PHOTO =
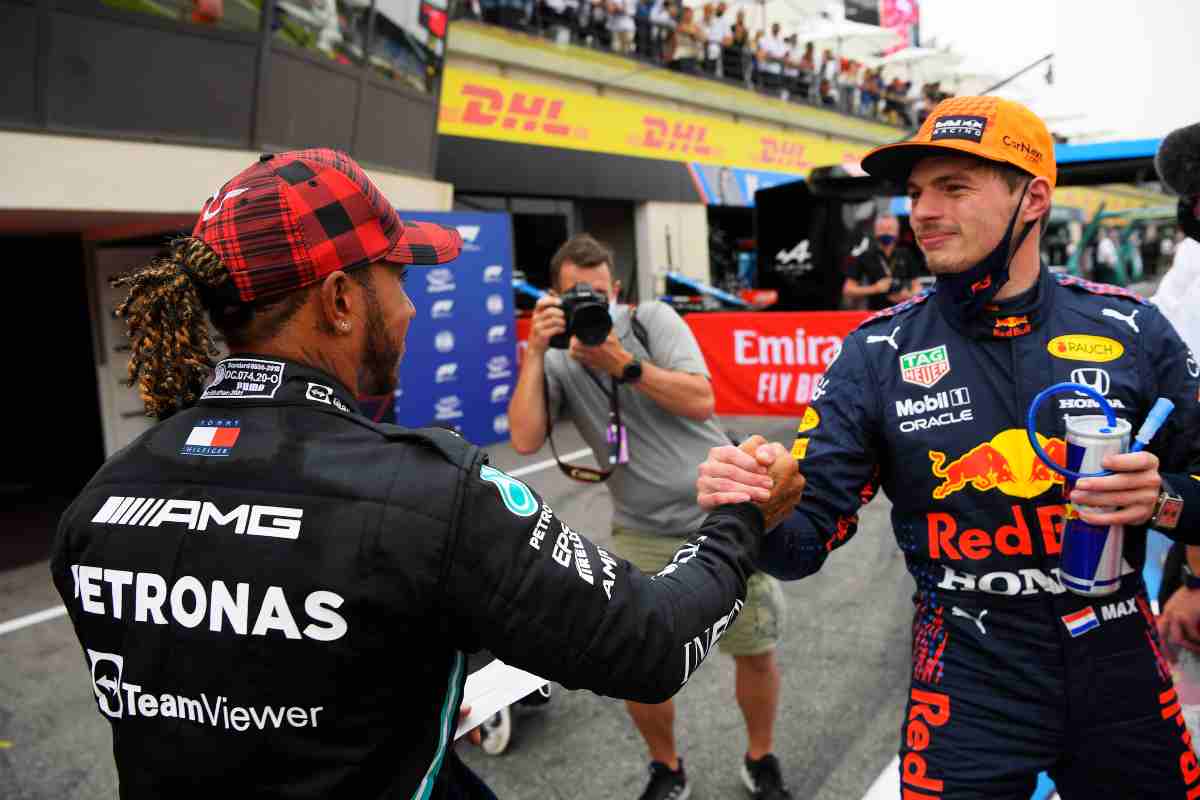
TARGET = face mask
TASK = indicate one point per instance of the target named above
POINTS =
(976, 287)
(886, 239)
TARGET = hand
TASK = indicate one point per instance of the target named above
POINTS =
(1130, 492)
(882, 285)
(784, 472)
(1179, 622)
(548, 320)
(608, 356)
(473, 735)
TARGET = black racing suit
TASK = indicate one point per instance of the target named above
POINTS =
(931, 407)
(275, 595)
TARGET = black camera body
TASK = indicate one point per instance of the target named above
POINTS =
(587, 316)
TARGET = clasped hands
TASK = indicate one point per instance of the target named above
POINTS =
(757, 471)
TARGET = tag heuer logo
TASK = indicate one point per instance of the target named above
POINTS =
(925, 367)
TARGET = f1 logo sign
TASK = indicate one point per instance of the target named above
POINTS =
(106, 682)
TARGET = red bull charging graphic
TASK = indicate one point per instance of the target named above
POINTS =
(1006, 462)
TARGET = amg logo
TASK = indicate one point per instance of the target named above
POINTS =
(933, 402)
(962, 127)
(279, 522)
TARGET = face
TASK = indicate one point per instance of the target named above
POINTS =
(887, 226)
(775, 29)
(598, 277)
(959, 211)
(388, 311)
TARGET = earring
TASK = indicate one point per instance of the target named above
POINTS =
(345, 325)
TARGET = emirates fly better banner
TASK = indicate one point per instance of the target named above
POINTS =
(769, 363)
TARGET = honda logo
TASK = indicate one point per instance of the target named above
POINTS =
(1094, 378)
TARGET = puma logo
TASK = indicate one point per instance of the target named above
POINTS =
(210, 212)
(1126, 318)
(958, 612)
(890, 338)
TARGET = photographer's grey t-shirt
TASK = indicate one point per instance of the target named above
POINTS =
(656, 491)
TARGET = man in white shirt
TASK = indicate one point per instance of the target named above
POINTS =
(718, 29)
(621, 25)
(772, 51)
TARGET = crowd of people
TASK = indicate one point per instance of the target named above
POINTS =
(719, 44)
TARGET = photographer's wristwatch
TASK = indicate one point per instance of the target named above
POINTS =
(1167, 509)
(632, 372)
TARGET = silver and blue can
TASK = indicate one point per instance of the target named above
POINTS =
(1092, 555)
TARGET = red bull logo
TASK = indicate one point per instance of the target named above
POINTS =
(1007, 463)
(1007, 327)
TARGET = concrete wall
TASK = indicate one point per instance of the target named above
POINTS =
(685, 226)
(45, 172)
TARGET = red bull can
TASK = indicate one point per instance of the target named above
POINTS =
(1092, 555)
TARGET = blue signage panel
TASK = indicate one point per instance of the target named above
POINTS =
(460, 364)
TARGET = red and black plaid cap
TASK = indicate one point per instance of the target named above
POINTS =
(292, 218)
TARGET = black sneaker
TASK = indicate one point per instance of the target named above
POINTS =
(666, 784)
(763, 778)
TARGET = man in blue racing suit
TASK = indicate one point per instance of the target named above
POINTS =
(1011, 673)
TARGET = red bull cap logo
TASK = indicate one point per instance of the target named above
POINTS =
(1007, 463)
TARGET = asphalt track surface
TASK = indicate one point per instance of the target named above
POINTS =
(844, 657)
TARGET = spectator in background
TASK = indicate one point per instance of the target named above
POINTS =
(594, 23)
(869, 93)
(561, 18)
(772, 52)
(718, 30)
(848, 84)
(756, 60)
(1106, 256)
(791, 69)
(829, 71)
(663, 19)
(886, 273)
(688, 44)
(735, 50)
(806, 80)
(620, 24)
(895, 105)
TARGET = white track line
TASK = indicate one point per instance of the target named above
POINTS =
(32, 619)
(549, 462)
(887, 785)
(59, 611)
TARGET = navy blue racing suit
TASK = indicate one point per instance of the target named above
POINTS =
(1011, 673)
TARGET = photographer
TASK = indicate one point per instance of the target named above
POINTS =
(886, 273)
(642, 400)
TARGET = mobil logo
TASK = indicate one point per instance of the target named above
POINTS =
(1006, 462)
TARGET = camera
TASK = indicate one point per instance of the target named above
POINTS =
(586, 311)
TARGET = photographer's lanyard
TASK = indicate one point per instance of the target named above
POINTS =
(618, 443)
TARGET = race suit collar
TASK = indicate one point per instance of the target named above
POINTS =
(251, 378)
(1016, 316)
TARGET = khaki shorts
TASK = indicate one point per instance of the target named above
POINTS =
(755, 631)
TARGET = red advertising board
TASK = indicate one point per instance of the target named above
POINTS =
(767, 363)
(762, 363)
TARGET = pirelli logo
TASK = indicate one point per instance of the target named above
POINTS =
(280, 522)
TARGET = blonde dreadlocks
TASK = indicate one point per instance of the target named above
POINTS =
(172, 349)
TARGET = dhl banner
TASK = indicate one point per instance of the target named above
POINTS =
(483, 106)
(769, 363)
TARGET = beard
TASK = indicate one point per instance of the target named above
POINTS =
(379, 372)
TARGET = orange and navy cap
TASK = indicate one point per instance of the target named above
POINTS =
(991, 128)
(290, 219)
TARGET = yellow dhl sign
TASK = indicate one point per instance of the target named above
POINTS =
(483, 106)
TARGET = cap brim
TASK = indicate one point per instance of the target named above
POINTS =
(894, 162)
(424, 243)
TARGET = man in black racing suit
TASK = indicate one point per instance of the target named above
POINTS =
(274, 594)
(1011, 673)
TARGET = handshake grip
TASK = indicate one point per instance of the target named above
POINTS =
(759, 471)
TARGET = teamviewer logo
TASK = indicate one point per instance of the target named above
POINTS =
(106, 682)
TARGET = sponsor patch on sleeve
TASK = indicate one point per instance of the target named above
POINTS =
(516, 496)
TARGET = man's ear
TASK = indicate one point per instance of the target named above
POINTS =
(336, 305)
(1038, 198)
